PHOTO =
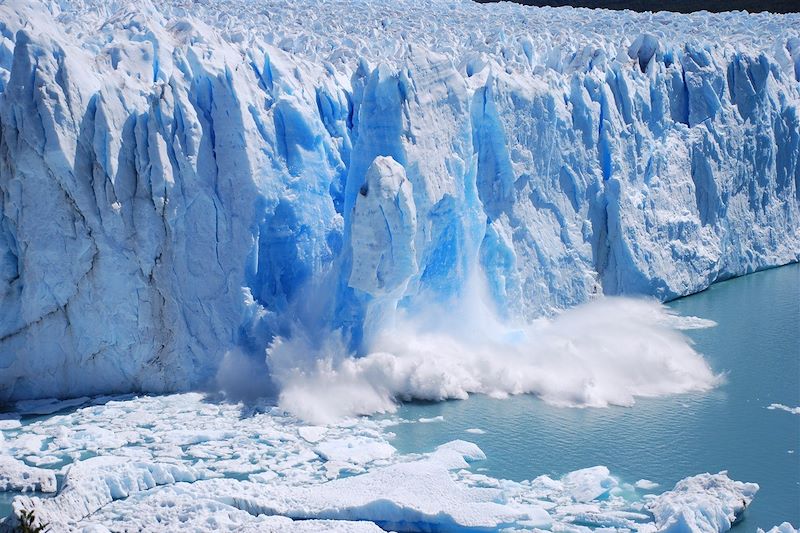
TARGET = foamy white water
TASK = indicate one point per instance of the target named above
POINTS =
(607, 352)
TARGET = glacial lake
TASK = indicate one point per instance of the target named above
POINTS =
(756, 344)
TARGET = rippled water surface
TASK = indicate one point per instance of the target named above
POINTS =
(756, 344)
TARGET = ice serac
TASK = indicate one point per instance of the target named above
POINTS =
(382, 234)
(178, 183)
(383, 230)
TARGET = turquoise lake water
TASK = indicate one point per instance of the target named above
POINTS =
(756, 344)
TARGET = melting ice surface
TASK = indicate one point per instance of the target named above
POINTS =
(191, 461)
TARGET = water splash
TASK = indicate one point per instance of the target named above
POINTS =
(606, 352)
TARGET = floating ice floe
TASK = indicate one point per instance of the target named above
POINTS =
(785, 527)
(188, 462)
(706, 502)
(646, 484)
(91, 484)
(19, 477)
(47, 406)
(781, 407)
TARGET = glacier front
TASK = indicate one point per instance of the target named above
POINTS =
(184, 180)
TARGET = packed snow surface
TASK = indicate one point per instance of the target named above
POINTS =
(255, 192)
(190, 462)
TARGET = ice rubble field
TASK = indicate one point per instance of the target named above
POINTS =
(187, 462)
(181, 180)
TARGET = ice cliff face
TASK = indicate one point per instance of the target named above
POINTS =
(179, 178)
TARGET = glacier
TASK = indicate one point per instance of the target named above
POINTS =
(185, 185)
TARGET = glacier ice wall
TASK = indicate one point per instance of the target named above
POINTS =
(181, 179)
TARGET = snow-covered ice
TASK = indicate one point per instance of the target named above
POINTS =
(706, 502)
(354, 450)
(93, 483)
(17, 476)
(181, 181)
(589, 484)
(192, 462)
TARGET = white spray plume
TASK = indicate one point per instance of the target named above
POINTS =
(235, 376)
(607, 352)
